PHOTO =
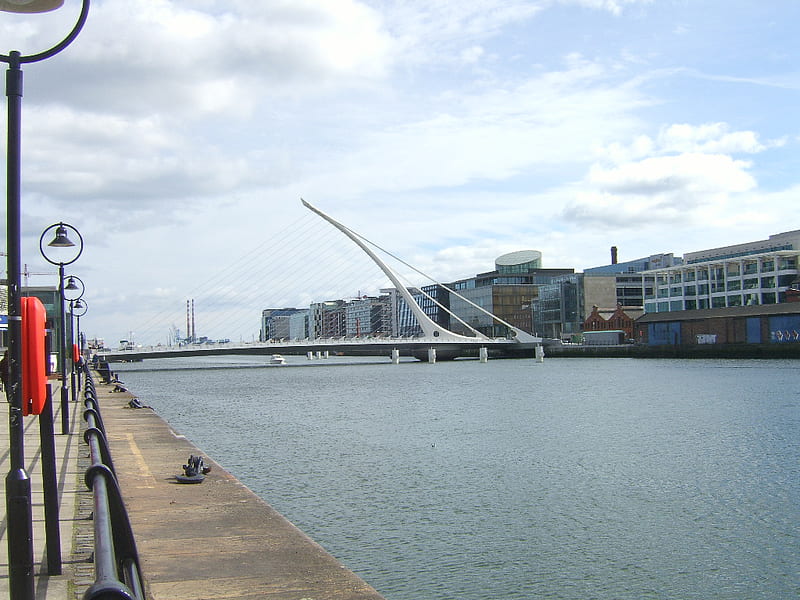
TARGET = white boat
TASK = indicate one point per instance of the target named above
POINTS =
(277, 359)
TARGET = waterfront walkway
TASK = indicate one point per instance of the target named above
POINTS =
(76, 570)
(211, 540)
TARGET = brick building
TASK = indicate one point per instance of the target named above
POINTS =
(619, 318)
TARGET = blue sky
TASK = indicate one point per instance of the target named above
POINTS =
(178, 137)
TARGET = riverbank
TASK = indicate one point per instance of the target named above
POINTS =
(215, 539)
(209, 540)
(699, 351)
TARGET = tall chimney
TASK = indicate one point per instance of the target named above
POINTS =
(613, 255)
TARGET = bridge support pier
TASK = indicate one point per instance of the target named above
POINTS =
(483, 354)
(395, 356)
(432, 355)
(310, 355)
(539, 352)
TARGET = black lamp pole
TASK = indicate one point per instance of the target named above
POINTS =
(77, 309)
(74, 302)
(18, 486)
(60, 243)
(84, 308)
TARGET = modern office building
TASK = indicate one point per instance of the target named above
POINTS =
(368, 316)
(434, 300)
(327, 319)
(507, 292)
(654, 261)
(565, 303)
(403, 323)
(749, 274)
(622, 283)
(558, 309)
(275, 323)
(298, 325)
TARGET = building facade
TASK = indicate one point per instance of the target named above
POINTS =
(298, 325)
(750, 274)
(368, 317)
(756, 324)
(327, 319)
(557, 311)
(616, 319)
(275, 323)
(560, 309)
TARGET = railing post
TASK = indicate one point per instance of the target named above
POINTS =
(117, 574)
(50, 487)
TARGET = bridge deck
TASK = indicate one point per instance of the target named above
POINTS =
(416, 347)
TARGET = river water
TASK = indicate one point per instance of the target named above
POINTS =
(568, 479)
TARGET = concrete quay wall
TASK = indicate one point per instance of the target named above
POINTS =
(215, 539)
(733, 351)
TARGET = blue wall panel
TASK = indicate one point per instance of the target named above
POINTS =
(754, 330)
(660, 334)
(784, 329)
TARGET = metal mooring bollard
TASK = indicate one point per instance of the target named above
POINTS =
(194, 471)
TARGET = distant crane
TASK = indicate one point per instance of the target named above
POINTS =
(26, 273)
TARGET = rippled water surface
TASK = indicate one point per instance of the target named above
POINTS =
(570, 479)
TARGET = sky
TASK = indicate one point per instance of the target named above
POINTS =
(178, 138)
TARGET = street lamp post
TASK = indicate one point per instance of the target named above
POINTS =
(17, 484)
(83, 307)
(74, 303)
(78, 309)
(68, 252)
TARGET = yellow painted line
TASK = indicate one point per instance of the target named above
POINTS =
(144, 470)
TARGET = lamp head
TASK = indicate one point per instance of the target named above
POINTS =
(30, 6)
(71, 285)
(61, 240)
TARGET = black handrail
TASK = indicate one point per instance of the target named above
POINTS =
(116, 561)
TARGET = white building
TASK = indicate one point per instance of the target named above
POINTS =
(741, 275)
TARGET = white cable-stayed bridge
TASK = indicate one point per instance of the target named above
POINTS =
(434, 341)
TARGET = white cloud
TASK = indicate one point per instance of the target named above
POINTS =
(708, 138)
(687, 175)
(613, 6)
(472, 54)
(684, 174)
(178, 134)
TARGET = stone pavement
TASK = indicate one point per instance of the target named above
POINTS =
(75, 565)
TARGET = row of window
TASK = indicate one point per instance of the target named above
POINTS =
(751, 267)
(732, 285)
(743, 253)
(716, 302)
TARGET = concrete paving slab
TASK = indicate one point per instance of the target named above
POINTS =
(46, 585)
(216, 539)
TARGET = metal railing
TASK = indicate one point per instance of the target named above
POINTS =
(116, 561)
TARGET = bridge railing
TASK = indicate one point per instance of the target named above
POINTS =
(278, 344)
(116, 560)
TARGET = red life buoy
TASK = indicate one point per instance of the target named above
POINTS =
(76, 353)
(34, 374)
